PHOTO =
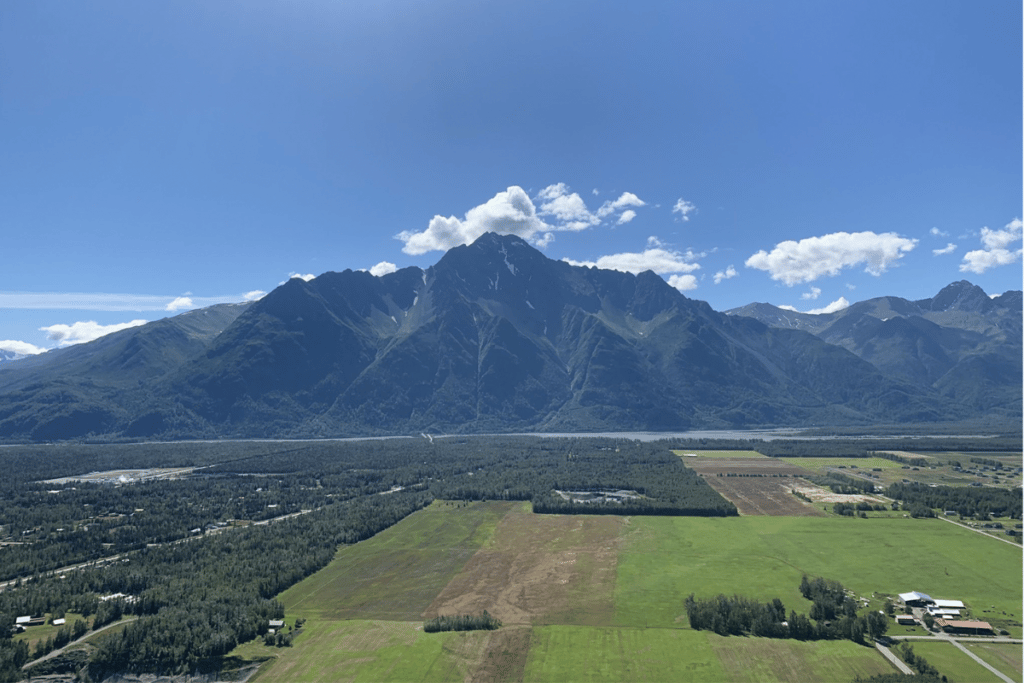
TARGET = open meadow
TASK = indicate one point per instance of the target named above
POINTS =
(590, 598)
(954, 664)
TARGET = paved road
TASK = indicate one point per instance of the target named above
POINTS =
(896, 661)
(87, 636)
(979, 531)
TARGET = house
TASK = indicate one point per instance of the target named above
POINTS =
(59, 622)
(974, 628)
(276, 623)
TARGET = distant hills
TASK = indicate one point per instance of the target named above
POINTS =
(962, 343)
(496, 337)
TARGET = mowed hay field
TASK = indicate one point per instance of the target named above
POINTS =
(595, 598)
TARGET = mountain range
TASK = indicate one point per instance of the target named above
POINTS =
(496, 337)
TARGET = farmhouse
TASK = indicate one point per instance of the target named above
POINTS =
(974, 628)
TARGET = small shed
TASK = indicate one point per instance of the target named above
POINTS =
(906, 619)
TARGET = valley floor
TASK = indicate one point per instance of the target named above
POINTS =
(596, 598)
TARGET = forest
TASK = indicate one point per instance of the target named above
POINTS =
(968, 501)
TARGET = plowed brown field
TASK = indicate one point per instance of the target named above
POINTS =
(760, 488)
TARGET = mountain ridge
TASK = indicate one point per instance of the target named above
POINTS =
(497, 337)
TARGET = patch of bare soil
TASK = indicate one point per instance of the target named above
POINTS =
(820, 495)
(764, 496)
(504, 657)
(539, 566)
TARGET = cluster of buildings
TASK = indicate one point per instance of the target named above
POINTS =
(945, 612)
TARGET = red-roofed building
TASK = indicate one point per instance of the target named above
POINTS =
(974, 628)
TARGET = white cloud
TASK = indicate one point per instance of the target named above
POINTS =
(507, 213)
(513, 212)
(837, 305)
(658, 257)
(811, 258)
(20, 348)
(77, 333)
(726, 274)
(683, 283)
(938, 233)
(948, 249)
(383, 268)
(812, 295)
(307, 277)
(626, 199)
(254, 295)
(627, 216)
(684, 209)
(182, 302)
(995, 252)
(96, 301)
(566, 207)
(661, 261)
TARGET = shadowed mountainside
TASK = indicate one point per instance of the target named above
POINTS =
(497, 337)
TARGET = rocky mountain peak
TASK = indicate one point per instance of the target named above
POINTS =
(960, 296)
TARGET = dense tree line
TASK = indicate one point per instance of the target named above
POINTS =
(853, 447)
(833, 615)
(968, 501)
(841, 483)
(851, 509)
(462, 622)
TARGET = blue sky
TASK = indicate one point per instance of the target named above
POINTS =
(162, 156)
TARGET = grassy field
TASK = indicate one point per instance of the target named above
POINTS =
(821, 464)
(1004, 657)
(373, 651)
(601, 597)
(666, 558)
(397, 573)
(573, 653)
(952, 663)
(753, 660)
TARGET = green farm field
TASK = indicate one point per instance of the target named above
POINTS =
(855, 464)
(954, 664)
(587, 598)
(1004, 657)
